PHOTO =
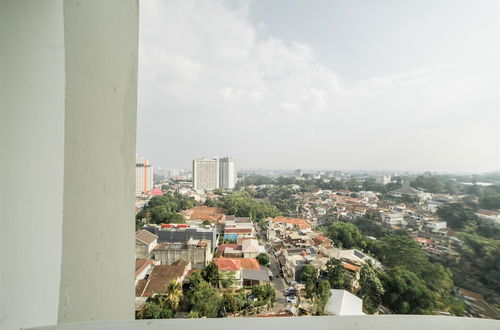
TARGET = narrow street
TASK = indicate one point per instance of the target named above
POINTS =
(277, 281)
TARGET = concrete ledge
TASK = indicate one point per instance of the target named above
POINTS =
(385, 322)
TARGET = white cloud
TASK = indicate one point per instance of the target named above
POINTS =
(210, 84)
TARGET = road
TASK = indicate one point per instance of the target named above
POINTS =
(278, 281)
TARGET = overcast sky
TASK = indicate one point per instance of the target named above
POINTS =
(382, 85)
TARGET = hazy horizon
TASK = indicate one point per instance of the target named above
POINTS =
(294, 84)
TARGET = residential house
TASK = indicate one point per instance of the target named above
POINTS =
(145, 242)
(394, 219)
(425, 242)
(300, 223)
(488, 215)
(143, 267)
(231, 250)
(234, 267)
(160, 276)
(410, 191)
(250, 248)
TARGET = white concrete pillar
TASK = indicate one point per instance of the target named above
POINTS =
(68, 82)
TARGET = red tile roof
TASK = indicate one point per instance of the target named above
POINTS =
(141, 264)
(236, 263)
(351, 267)
(299, 222)
(156, 192)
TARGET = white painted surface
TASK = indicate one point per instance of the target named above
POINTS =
(98, 273)
(68, 85)
(369, 322)
(32, 159)
(343, 303)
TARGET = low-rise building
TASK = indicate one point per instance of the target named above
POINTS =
(160, 276)
(182, 233)
(488, 215)
(237, 269)
(197, 252)
(145, 242)
(394, 219)
(143, 268)
(250, 248)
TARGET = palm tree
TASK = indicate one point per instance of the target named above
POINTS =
(173, 293)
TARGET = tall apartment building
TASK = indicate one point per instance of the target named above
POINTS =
(227, 173)
(213, 173)
(206, 173)
(143, 176)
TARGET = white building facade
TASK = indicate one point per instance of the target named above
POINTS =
(227, 173)
(213, 173)
(206, 174)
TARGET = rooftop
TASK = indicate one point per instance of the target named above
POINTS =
(145, 236)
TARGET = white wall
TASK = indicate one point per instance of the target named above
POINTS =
(98, 273)
(68, 86)
(32, 160)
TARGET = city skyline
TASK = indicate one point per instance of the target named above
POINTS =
(348, 86)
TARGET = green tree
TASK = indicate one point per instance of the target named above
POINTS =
(456, 216)
(173, 293)
(308, 276)
(264, 292)
(335, 273)
(205, 300)
(491, 202)
(227, 279)
(322, 295)
(210, 202)
(230, 302)
(346, 235)
(263, 259)
(210, 273)
(401, 250)
(165, 208)
(155, 310)
(372, 289)
(406, 293)
(242, 204)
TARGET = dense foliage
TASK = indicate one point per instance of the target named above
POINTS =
(166, 208)
(372, 289)
(309, 276)
(335, 274)
(456, 215)
(406, 293)
(345, 235)
(263, 259)
(242, 204)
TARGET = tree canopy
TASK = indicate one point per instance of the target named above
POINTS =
(166, 208)
(346, 235)
(263, 259)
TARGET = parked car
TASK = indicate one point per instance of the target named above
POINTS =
(290, 292)
(291, 299)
